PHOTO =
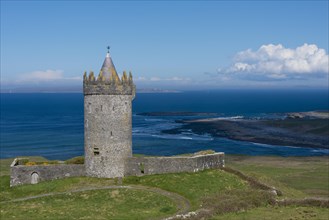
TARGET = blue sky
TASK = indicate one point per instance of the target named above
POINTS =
(166, 44)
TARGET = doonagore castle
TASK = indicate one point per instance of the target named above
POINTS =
(108, 121)
(108, 137)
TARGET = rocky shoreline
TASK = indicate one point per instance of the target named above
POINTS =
(309, 115)
(306, 131)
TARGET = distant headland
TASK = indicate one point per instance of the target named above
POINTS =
(300, 129)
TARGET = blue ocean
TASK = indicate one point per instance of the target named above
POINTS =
(51, 125)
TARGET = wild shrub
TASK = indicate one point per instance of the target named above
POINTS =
(76, 160)
(324, 203)
(236, 200)
(251, 180)
(204, 152)
(23, 161)
(30, 163)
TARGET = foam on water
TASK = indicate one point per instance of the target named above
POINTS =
(233, 118)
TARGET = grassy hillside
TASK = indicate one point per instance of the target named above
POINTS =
(297, 177)
(193, 186)
(228, 196)
(97, 204)
(137, 204)
(274, 213)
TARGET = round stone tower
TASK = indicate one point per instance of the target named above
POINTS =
(107, 121)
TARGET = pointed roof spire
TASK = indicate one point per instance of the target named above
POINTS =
(108, 67)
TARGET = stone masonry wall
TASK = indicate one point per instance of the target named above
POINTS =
(136, 166)
(108, 134)
(20, 174)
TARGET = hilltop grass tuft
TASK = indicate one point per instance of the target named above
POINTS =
(76, 160)
(5, 163)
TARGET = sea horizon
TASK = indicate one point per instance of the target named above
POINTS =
(51, 124)
(161, 90)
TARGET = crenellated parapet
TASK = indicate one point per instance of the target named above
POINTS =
(113, 85)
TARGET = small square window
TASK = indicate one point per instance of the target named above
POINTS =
(96, 151)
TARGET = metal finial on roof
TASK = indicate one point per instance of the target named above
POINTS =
(108, 49)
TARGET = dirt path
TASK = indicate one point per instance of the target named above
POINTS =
(182, 204)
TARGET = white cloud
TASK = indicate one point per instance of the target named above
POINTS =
(277, 62)
(155, 79)
(140, 78)
(45, 76)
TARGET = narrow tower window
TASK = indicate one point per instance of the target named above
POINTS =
(113, 108)
(96, 151)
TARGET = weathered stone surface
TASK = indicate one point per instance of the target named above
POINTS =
(157, 165)
(20, 174)
(120, 165)
(108, 88)
(108, 134)
(108, 121)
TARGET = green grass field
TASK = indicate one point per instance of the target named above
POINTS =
(193, 186)
(96, 204)
(225, 194)
(274, 213)
(297, 177)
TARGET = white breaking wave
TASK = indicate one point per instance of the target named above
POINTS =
(153, 119)
(180, 137)
(230, 118)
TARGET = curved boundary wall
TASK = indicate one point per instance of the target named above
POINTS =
(138, 166)
(134, 166)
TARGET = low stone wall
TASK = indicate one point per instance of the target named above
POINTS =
(136, 166)
(21, 174)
